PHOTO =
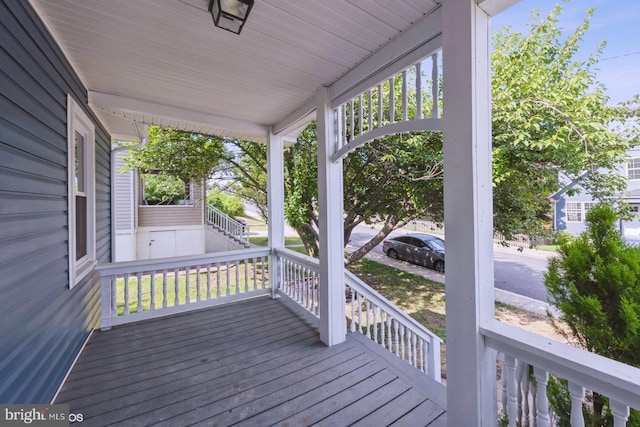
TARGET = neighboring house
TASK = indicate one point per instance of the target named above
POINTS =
(145, 231)
(570, 211)
(76, 74)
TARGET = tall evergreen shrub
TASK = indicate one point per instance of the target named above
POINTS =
(595, 284)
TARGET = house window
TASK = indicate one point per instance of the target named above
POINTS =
(82, 211)
(633, 168)
(159, 189)
(587, 207)
(574, 212)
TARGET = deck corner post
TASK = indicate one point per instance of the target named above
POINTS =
(275, 202)
(333, 327)
(468, 207)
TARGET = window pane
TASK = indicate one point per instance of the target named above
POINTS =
(80, 163)
(81, 227)
(574, 212)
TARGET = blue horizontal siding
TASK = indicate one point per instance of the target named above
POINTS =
(43, 323)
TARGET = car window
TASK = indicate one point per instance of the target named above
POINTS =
(403, 239)
(417, 242)
(436, 244)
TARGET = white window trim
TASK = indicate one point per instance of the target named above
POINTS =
(580, 211)
(628, 169)
(78, 121)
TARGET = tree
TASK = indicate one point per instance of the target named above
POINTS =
(180, 154)
(384, 181)
(550, 116)
(595, 284)
(162, 189)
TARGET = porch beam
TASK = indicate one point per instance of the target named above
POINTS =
(330, 194)
(120, 104)
(275, 204)
(468, 212)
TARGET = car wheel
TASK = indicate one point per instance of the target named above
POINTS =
(439, 266)
(391, 253)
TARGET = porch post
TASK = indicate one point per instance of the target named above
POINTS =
(275, 205)
(331, 286)
(471, 383)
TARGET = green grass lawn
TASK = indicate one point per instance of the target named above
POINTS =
(229, 279)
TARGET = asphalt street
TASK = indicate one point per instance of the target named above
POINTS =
(518, 272)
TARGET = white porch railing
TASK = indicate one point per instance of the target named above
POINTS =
(138, 290)
(367, 312)
(380, 320)
(229, 226)
(582, 369)
(386, 109)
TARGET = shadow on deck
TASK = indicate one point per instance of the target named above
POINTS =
(251, 363)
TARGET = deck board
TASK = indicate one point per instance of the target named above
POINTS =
(250, 363)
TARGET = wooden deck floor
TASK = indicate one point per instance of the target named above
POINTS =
(253, 363)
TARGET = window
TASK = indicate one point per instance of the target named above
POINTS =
(159, 189)
(633, 168)
(82, 217)
(574, 212)
(587, 208)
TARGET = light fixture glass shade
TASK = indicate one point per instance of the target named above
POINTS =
(230, 15)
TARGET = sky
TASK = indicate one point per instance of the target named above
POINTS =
(616, 21)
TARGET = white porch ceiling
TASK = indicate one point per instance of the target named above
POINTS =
(164, 62)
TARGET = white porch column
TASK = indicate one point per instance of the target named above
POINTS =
(330, 191)
(471, 382)
(275, 203)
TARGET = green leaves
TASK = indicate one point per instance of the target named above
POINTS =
(550, 116)
(183, 155)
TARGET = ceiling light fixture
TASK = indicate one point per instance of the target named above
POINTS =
(230, 15)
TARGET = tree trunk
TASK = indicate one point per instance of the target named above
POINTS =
(390, 224)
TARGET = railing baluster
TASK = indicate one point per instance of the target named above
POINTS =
(620, 413)
(542, 402)
(139, 285)
(352, 326)
(389, 334)
(577, 395)
(352, 120)
(369, 111)
(176, 285)
(383, 321)
(413, 351)
(392, 101)
(246, 275)
(375, 323)
(218, 292)
(114, 296)
(380, 104)
(435, 87)
(152, 284)
(126, 294)
(396, 337)
(419, 90)
(187, 274)
(238, 286)
(360, 115)
(164, 288)
(228, 274)
(402, 343)
(405, 113)
(198, 283)
(512, 392)
(209, 281)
